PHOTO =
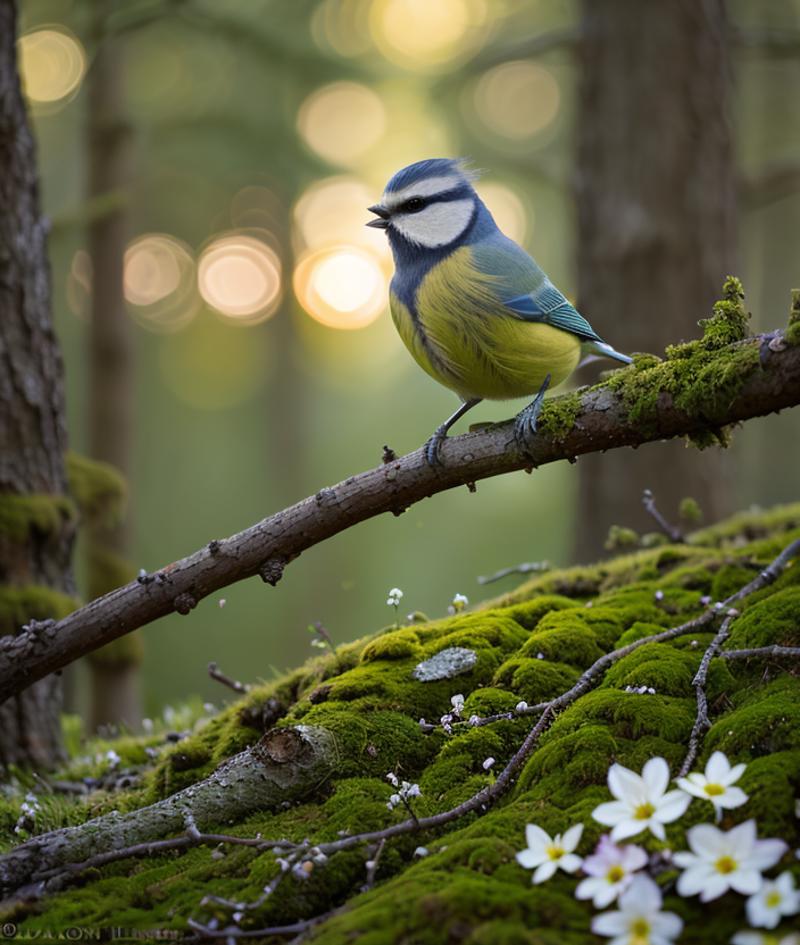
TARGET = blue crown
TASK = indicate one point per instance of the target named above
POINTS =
(432, 167)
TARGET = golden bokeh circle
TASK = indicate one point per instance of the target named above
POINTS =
(240, 277)
(342, 121)
(344, 287)
(52, 64)
(517, 99)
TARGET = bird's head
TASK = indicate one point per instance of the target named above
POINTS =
(428, 205)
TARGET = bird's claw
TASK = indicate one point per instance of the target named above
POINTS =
(433, 447)
(525, 426)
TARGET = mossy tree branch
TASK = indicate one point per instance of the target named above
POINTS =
(698, 390)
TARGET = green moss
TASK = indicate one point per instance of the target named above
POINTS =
(559, 414)
(20, 605)
(469, 889)
(40, 515)
(689, 510)
(620, 538)
(99, 489)
(395, 645)
(728, 324)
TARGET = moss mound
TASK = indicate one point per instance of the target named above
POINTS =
(531, 644)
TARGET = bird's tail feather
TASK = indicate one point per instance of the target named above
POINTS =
(606, 351)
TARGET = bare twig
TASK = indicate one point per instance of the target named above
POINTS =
(763, 652)
(601, 422)
(672, 532)
(527, 567)
(372, 865)
(216, 673)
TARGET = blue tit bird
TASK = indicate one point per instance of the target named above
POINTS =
(473, 308)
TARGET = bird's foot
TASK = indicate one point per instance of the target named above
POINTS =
(525, 425)
(433, 447)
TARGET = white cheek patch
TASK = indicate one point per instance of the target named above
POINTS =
(436, 225)
(431, 187)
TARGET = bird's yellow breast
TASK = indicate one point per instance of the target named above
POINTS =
(465, 338)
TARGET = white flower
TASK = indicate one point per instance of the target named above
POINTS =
(487, 763)
(610, 870)
(716, 784)
(642, 801)
(721, 861)
(394, 598)
(421, 851)
(521, 706)
(758, 938)
(457, 702)
(776, 899)
(639, 920)
(546, 854)
(112, 758)
(458, 604)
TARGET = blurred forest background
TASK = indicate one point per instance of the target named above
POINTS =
(223, 311)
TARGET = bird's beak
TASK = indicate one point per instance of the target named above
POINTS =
(383, 217)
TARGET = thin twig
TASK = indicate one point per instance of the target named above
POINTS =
(763, 652)
(672, 532)
(527, 567)
(372, 866)
(216, 673)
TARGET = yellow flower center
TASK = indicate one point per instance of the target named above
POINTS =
(615, 874)
(644, 811)
(726, 864)
(640, 932)
(555, 852)
(773, 899)
(714, 790)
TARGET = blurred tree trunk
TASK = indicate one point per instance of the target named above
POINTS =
(657, 222)
(114, 670)
(37, 519)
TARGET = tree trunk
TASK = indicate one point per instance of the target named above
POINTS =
(114, 670)
(37, 519)
(656, 224)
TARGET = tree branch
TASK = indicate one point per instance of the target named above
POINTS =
(647, 402)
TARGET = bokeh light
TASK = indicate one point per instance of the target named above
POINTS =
(159, 282)
(334, 211)
(342, 121)
(342, 286)
(424, 35)
(343, 26)
(517, 99)
(52, 64)
(212, 366)
(240, 277)
(507, 209)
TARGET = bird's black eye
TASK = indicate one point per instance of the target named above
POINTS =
(414, 205)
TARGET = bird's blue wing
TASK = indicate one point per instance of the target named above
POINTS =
(546, 304)
(525, 290)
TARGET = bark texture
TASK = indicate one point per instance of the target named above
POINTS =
(36, 530)
(286, 764)
(657, 222)
(700, 389)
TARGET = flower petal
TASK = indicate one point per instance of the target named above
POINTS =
(530, 858)
(666, 924)
(690, 787)
(610, 923)
(735, 773)
(642, 896)
(536, 837)
(718, 768)
(625, 784)
(588, 888)
(733, 797)
(572, 838)
(706, 840)
(717, 885)
(628, 828)
(672, 806)
(657, 828)
(655, 775)
(611, 812)
(766, 853)
(544, 872)
(633, 858)
(746, 881)
(570, 862)
(695, 879)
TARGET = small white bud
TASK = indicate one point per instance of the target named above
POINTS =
(488, 762)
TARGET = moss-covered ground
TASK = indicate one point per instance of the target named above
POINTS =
(532, 643)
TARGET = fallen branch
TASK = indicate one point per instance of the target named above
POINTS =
(672, 532)
(763, 652)
(216, 673)
(766, 378)
(284, 765)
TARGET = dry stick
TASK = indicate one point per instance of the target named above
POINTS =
(791, 652)
(525, 568)
(601, 422)
(672, 532)
(303, 927)
(701, 721)
(216, 673)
